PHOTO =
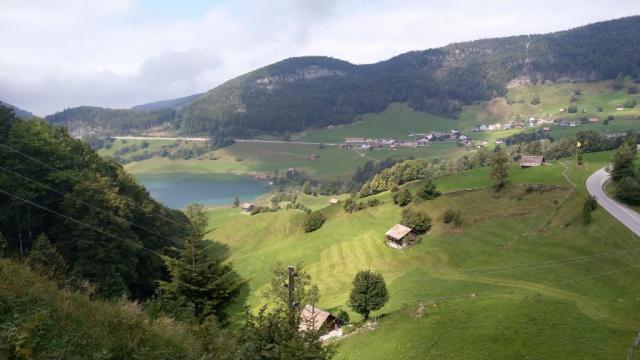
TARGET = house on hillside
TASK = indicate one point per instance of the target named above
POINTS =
(291, 171)
(593, 120)
(620, 107)
(247, 207)
(531, 161)
(354, 140)
(333, 201)
(400, 236)
(314, 157)
(422, 142)
(313, 318)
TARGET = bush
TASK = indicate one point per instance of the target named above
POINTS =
(628, 190)
(630, 103)
(313, 221)
(452, 216)
(369, 293)
(591, 203)
(343, 316)
(633, 89)
(418, 220)
(535, 100)
(586, 214)
(572, 109)
(402, 197)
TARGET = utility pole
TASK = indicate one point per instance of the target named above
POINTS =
(291, 286)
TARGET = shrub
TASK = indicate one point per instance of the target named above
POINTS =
(628, 189)
(343, 316)
(418, 220)
(535, 100)
(402, 197)
(633, 89)
(630, 103)
(591, 203)
(313, 221)
(452, 216)
(572, 109)
(586, 214)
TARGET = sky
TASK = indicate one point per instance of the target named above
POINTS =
(119, 53)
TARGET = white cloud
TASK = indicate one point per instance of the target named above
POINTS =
(106, 52)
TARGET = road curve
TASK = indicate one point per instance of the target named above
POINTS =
(625, 215)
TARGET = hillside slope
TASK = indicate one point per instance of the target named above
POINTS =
(298, 93)
(522, 277)
(167, 104)
(39, 321)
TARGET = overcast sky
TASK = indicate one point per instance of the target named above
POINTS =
(119, 53)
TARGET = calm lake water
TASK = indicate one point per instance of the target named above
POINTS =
(179, 190)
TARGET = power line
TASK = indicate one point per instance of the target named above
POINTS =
(53, 168)
(89, 205)
(161, 256)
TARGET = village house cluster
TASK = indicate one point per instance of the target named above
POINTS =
(421, 140)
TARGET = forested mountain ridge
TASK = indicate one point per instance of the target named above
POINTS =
(19, 112)
(303, 92)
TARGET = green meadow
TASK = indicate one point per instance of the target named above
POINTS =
(521, 278)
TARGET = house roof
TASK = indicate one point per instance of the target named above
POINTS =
(312, 318)
(247, 205)
(531, 160)
(354, 139)
(398, 231)
(333, 201)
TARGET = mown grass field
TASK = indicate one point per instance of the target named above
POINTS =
(267, 158)
(522, 277)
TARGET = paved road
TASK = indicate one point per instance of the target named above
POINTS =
(207, 139)
(625, 215)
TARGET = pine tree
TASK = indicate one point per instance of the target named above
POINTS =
(201, 281)
(236, 202)
(45, 258)
(369, 293)
(428, 190)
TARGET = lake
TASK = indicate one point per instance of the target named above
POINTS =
(179, 190)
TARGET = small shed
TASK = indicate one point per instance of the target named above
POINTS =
(333, 201)
(593, 120)
(313, 318)
(531, 161)
(247, 207)
(401, 235)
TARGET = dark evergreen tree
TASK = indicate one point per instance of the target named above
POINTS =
(427, 191)
(236, 202)
(200, 280)
(369, 293)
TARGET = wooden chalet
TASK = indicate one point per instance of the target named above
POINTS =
(247, 207)
(401, 235)
(313, 318)
(531, 161)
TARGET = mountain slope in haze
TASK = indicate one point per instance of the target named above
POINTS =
(166, 104)
(298, 93)
(19, 112)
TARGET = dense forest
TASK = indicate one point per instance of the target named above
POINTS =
(298, 93)
(89, 208)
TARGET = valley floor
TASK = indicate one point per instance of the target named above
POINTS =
(522, 277)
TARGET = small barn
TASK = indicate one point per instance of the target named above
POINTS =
(247, 207)
(401, 236)
(333, 201)
(531, 161)
(313, 318)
